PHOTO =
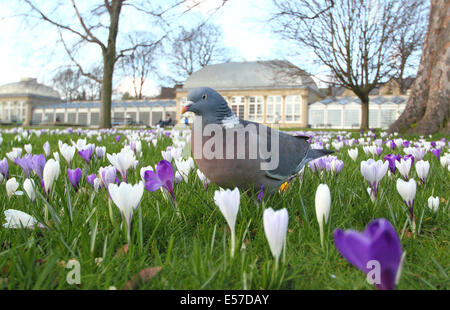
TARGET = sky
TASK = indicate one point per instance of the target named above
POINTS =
(30, 48)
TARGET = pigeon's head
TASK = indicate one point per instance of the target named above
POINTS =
(208, 103)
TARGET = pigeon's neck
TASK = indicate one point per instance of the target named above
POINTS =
(222, 116)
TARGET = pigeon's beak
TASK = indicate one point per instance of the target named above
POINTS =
(186, 107)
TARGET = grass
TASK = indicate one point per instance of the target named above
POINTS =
(193, 249)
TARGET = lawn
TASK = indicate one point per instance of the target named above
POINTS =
(190, 248)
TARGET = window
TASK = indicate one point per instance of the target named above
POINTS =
(352, 118)
(273, 114)
(95, 117)
(293, 109)
(316, 117)
(334, 118)
(237, 106)
(373, 118)
(256, 108)
(387, 117)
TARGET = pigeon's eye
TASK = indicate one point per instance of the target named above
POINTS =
(204, 97)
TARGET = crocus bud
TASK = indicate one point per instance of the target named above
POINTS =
(29, 187)
(323, 203)
(433, 203)
(275, 228)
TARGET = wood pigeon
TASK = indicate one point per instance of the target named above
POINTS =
(225, 150)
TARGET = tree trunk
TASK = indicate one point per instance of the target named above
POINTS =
(109, 60)
(364, 112)
(427, 110)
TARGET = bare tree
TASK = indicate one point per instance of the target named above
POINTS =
(408, 39)
(99, 25)
(67, 81)
(428, 107)
(140, 62)
(195, 48)
(353, 38)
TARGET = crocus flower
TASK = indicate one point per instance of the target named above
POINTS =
(50, 174)
(353, 153)
(205, 180)
(391, 159)
(25, 163)
(228, 202)
(46, 148)
(433, 203)
(100, 151)
(67, 152)
(436, 153)
(163, 177)
(11, 188)
(392, 144)
(322, 203)
(261, 193)
(406, 143)
(74, 176)
(404, 166)
(127, 198)
(15, 152)
(117, 138)
(407, 191)
(122, 161)
(90, 178)
(86, 152)
(38, 164)
(422, 168)
(275, 228)
(184, 167)
(373, 171)
(28, 148)
(19, 219)
(4, 169)
(143, 170)
(29, 187)
(380, 243)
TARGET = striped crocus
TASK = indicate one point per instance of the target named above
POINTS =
(86, 152)
(379, 245)
(373, 171)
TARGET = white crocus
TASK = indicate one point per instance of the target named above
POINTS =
(323, 203)
(228, 202)
(422, 169)
(15, 152)
(11, 187)
(67, 152)
(51, 173)
(275, 228)
(184, 167)
(373, 171)
(403, 166)
(18, 219)
(80, 144)
(203, 178)
(407, 191)
(56, 156)
(28, 148)
(127, 198)
(167, 155)
(29, 187)
(353, 153)
(122, 161)
(433, 203)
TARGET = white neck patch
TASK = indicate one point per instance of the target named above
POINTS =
(230, 122)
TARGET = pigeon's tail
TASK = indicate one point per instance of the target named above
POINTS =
(310, 155)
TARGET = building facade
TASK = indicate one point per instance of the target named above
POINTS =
(267, 92)
(17, 100)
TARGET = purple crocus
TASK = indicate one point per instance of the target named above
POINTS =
(86, 152)
(392, 144)
(163, 177)
(118, 138)
(261, 194)
(25, 163)
(74, 177)
(378, 243)
(90, 178)
(436, 153)
(38, 164)
(4, 168)
(391, 158)
(406, 143)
